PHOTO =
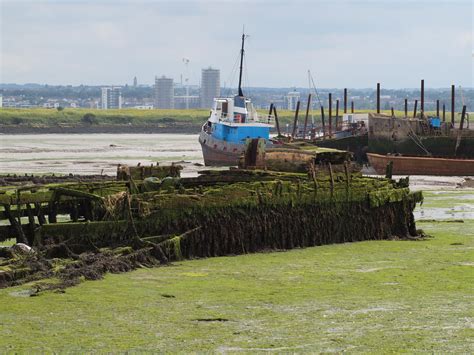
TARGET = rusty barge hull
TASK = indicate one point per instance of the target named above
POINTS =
(437, 146)
(408, 165)
(414, 137)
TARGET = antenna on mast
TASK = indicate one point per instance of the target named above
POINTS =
(186, 80)
(311, 83)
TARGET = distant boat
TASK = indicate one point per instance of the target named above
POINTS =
(232, 121)
(416, 165)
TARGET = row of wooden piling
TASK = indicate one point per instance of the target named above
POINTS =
(422, 103)
(345, 101)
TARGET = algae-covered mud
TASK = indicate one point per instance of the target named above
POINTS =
(375, 296)
(94, 153)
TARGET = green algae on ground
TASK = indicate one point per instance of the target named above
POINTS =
(382, 296)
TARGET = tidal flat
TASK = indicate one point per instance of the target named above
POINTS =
(376, 296)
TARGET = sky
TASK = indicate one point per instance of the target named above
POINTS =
(345, 43)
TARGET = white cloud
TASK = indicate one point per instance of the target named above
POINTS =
(345, 43)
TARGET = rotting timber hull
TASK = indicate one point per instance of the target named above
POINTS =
(357, 144)
(218, 213)
(403, 165)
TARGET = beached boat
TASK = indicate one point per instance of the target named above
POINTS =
(416, 165)
(232, 121)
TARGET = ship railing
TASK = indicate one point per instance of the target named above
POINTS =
(267, 119)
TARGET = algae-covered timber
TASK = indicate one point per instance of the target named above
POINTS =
(297, 157)
(99, 227)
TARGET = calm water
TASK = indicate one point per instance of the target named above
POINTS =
(95, 153)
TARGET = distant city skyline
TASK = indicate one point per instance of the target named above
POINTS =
(352, 44)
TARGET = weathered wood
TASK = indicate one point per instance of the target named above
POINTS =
(345, 100)
(40, 214)
(330, 115)
(461, 126)
(323, 122)
(389, 170)
(31, 224)
(331, 175)
(74, 214)
(348, 178)
(308, 105)
(20, 237)
(76, 193)
(295, 122)
(53, 208)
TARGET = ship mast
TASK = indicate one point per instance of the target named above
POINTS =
(241, 65)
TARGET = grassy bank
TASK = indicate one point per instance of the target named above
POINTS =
(384, 296)
(41, 118)
(79, 116)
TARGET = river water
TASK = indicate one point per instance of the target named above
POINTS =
(95, 153)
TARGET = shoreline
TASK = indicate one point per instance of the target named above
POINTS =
(104, 129)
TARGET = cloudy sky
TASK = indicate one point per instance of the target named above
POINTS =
(345, 43)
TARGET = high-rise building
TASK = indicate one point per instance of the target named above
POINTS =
(164, 92)
(111, 98)
(210, 86)
(292, 99)
(135, 81)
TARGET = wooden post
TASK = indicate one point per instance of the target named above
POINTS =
(337, 114)
(270, 112)
(295, 123)
(332, 179)
(74, 212)
(352, 106)
(40, 214)
(313, 176)
(452, 104)
(463, 116)
(323, 122)
(378, 97)
(422, 98)
(276, 120)
(388, 170)
(345, 100)
(348, 178)
(406, 108)
(461, 126)
(444, 112)
(393, 112)
(437, 108)
(306, 116)
(415, 108)
(31, 224)
(330, 115)
(20, 235)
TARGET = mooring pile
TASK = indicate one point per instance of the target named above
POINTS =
(156, 217)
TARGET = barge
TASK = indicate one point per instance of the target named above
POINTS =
(416, 165)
